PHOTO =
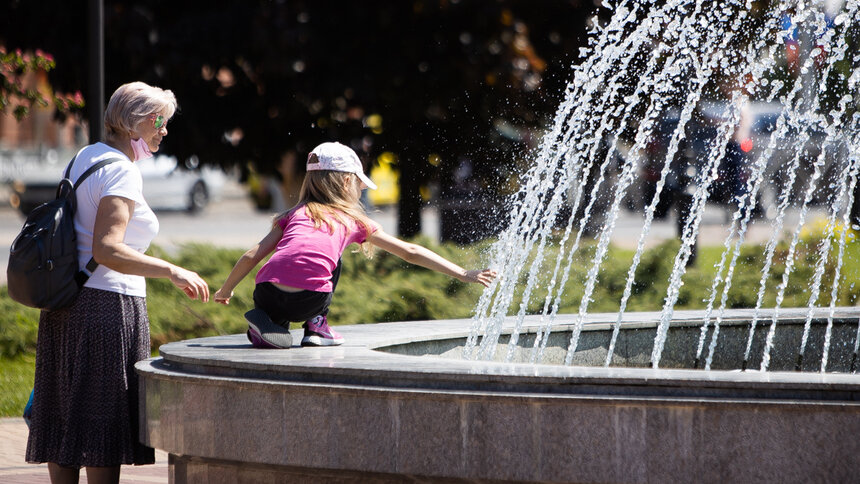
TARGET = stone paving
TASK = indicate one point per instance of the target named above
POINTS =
(14, 470)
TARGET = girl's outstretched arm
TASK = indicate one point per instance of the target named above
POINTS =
(247, 262)
(424, 257)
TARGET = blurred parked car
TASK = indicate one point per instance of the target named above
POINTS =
(166, 184)
(735, 166)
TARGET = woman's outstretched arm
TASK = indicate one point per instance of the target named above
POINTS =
(424, 257)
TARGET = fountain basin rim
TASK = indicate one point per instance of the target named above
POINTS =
(359, 362)
(155, 370)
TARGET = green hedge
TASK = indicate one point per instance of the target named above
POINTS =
(385, 288)
(16, 381)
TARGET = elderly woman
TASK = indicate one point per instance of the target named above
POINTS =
(85, 412)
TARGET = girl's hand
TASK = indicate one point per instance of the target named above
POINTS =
(191, 283)
(480, 276)
(222, 296)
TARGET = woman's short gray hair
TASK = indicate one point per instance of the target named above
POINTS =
(133, 102)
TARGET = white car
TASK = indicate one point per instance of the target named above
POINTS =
(166, 185)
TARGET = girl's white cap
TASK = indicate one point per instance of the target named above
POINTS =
(337, 157)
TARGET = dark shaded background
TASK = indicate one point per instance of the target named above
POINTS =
(461, 83)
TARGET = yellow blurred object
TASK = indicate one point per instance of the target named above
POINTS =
(818, 228)
(386, 179)
(374, 122)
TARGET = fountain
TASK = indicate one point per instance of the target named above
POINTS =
(711, 395)
(674, 68)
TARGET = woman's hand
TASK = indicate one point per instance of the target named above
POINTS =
(191, 284)
(479, 276)
(222, 296)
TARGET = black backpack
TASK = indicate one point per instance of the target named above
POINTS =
(43, 268)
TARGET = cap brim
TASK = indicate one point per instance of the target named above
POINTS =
(366, 180)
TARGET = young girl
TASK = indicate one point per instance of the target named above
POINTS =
(297, 282)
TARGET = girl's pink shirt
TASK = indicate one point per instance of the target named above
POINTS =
(305, 257)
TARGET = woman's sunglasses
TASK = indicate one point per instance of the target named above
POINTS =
(158, 121)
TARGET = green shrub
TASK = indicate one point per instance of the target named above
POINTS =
(19, 326)
(385, 288)
(16, 381)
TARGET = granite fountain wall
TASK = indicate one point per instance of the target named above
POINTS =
(396, 404)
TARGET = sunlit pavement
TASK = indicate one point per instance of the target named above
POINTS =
(14, 470)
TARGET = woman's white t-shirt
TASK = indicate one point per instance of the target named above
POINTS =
(123, 179)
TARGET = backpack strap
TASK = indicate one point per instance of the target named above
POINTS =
(69, 167)
(90, 170)
(85, 273)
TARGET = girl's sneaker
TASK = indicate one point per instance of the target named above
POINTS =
(318, 333)
(263, 333)
(257, 341)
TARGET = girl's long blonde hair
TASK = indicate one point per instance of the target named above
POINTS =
(333, 197)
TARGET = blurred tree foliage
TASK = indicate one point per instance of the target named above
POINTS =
(23, 86)
(437, 83)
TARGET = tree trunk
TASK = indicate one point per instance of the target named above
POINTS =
(409, 206)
